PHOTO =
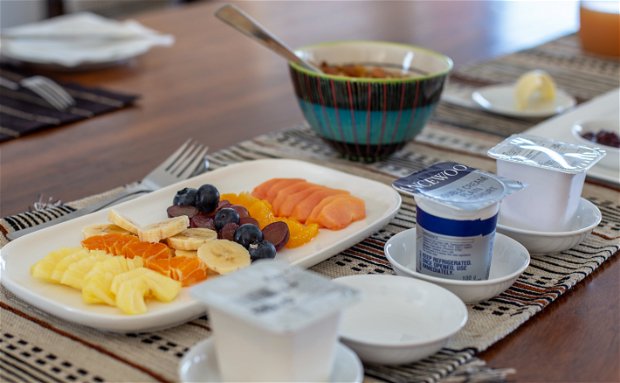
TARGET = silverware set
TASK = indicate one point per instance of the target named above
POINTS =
(46, 88)
(187, 161)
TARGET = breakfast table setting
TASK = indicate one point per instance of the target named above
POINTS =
(432, 131)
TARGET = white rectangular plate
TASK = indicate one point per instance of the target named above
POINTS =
(382, 204)
(560, 128)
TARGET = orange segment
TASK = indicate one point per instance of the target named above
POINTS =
(299, 234)
(113, 243)
(147, 250)
(262, 212)
(188, 270)
(243, 199)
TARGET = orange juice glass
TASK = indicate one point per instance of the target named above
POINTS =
(600, 26)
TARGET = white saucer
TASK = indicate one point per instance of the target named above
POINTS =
(587, 218)
(200, 365)
(509, 260)
(500, 99)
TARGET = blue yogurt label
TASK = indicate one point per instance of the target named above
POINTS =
(454, 249)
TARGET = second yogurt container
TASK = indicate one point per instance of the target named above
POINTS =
(554, 172)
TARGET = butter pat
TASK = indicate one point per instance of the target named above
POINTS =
(554, 172)
(456, 216)
(274, 322)
(534, 87)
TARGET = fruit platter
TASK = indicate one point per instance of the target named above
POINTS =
(263, 209)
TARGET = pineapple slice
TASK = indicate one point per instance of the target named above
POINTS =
(75, 274)
(96, 288)
(130, 293)
(98, 281)
(148, 283)
(163, 288)
(64, 263)
(130, 290)
(44, 268)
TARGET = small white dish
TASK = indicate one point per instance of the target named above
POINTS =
(80, 41)
(500, 99)
(588, 216)
(399, 320)
(509, 260)
(200, 364)
(612, 158)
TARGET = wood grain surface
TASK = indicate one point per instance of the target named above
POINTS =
(218, 87)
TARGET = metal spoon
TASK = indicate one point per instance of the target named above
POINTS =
(239, 20)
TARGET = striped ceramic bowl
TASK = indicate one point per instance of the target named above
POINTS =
(368, 119)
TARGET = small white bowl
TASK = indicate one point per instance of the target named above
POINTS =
(588, 216)
(612, 158)
(509, 260)
(399, 320)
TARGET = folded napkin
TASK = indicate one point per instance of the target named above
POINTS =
(23, 112)
(80, 38)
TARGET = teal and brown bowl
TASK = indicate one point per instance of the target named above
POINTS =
(368, 119)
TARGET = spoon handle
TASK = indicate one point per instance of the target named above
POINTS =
(242, 22)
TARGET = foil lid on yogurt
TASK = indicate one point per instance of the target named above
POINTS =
(546, 153)
(458, 186)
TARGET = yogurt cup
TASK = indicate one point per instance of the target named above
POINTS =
(456, 213)
(554, 171)
(274, 322)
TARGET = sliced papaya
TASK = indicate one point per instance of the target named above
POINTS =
(286, 207)
(261, 190)
(302, 210)
(285, 191)
(285, 183)
(337, 212)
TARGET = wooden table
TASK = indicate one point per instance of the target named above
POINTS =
(218, 87)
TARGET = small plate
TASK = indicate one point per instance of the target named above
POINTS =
(509, 260)
(612, 157)
(500, 99)
(399, 320)
(200, 364)
(587, 218)
(80, 41)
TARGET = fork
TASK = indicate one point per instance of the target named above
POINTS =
(45, 88)
(179, 166)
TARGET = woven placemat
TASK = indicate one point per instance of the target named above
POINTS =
(39, 347)
(23, 112)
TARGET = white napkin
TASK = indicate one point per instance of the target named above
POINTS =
(81, 38)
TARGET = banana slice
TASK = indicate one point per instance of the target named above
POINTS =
(102, 229)
(124, 222)
(223, 256)
(191, 239)
(185, 253)
(534, 87)
(161, 230)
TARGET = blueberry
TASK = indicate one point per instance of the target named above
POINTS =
(247, 234)
(185, 197)
(224, 216)
(207, 198)
(262, 250)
